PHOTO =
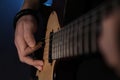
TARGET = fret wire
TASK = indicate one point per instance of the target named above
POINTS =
(58, 42)
(83, 30)
(67, 41)
(53, 54)
(61, 47)
(62, 54)
(75, 38)
(89, 37)
(56, 45)
(70, 39)
(62, 44)
(53, 47)
(80, 51)
(86, 30)
(93, 37)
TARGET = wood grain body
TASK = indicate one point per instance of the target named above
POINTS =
(48, 68)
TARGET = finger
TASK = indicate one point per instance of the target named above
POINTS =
(30, 61)
(39, 67)
(18, 49)
(19, 38)
(30, 50)
(29, 35)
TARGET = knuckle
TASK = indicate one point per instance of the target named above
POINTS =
(30, 40)
(22, 59)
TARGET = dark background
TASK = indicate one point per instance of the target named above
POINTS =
(10, 66)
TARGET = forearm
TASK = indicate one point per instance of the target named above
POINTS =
(31, 4)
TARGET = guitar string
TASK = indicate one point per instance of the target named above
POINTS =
(48, 38)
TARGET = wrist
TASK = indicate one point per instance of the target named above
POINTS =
(29, 13)
(26, 18)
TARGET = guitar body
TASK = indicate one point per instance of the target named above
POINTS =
(48, 68)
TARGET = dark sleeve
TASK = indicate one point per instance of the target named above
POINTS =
(44, 12)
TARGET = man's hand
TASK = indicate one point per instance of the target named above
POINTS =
(109, 40)
(25, 42)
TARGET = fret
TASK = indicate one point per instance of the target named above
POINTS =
(93, 38)
(53, 47)
(59, 44)
(75, 42)
(86, 34)
(62, 47)
(83, 35)
(64, 43)
(67, 41)
(56, 45)
(80, 50)
(71, 40)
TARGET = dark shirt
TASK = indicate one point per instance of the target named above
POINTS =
(68, 10)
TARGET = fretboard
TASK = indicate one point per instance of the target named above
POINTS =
(79, 37)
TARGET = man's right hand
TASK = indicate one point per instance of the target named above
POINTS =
(24, 40)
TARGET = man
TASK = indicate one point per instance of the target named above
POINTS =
(26, 27)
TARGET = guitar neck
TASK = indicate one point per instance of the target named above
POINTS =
(79, 37)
